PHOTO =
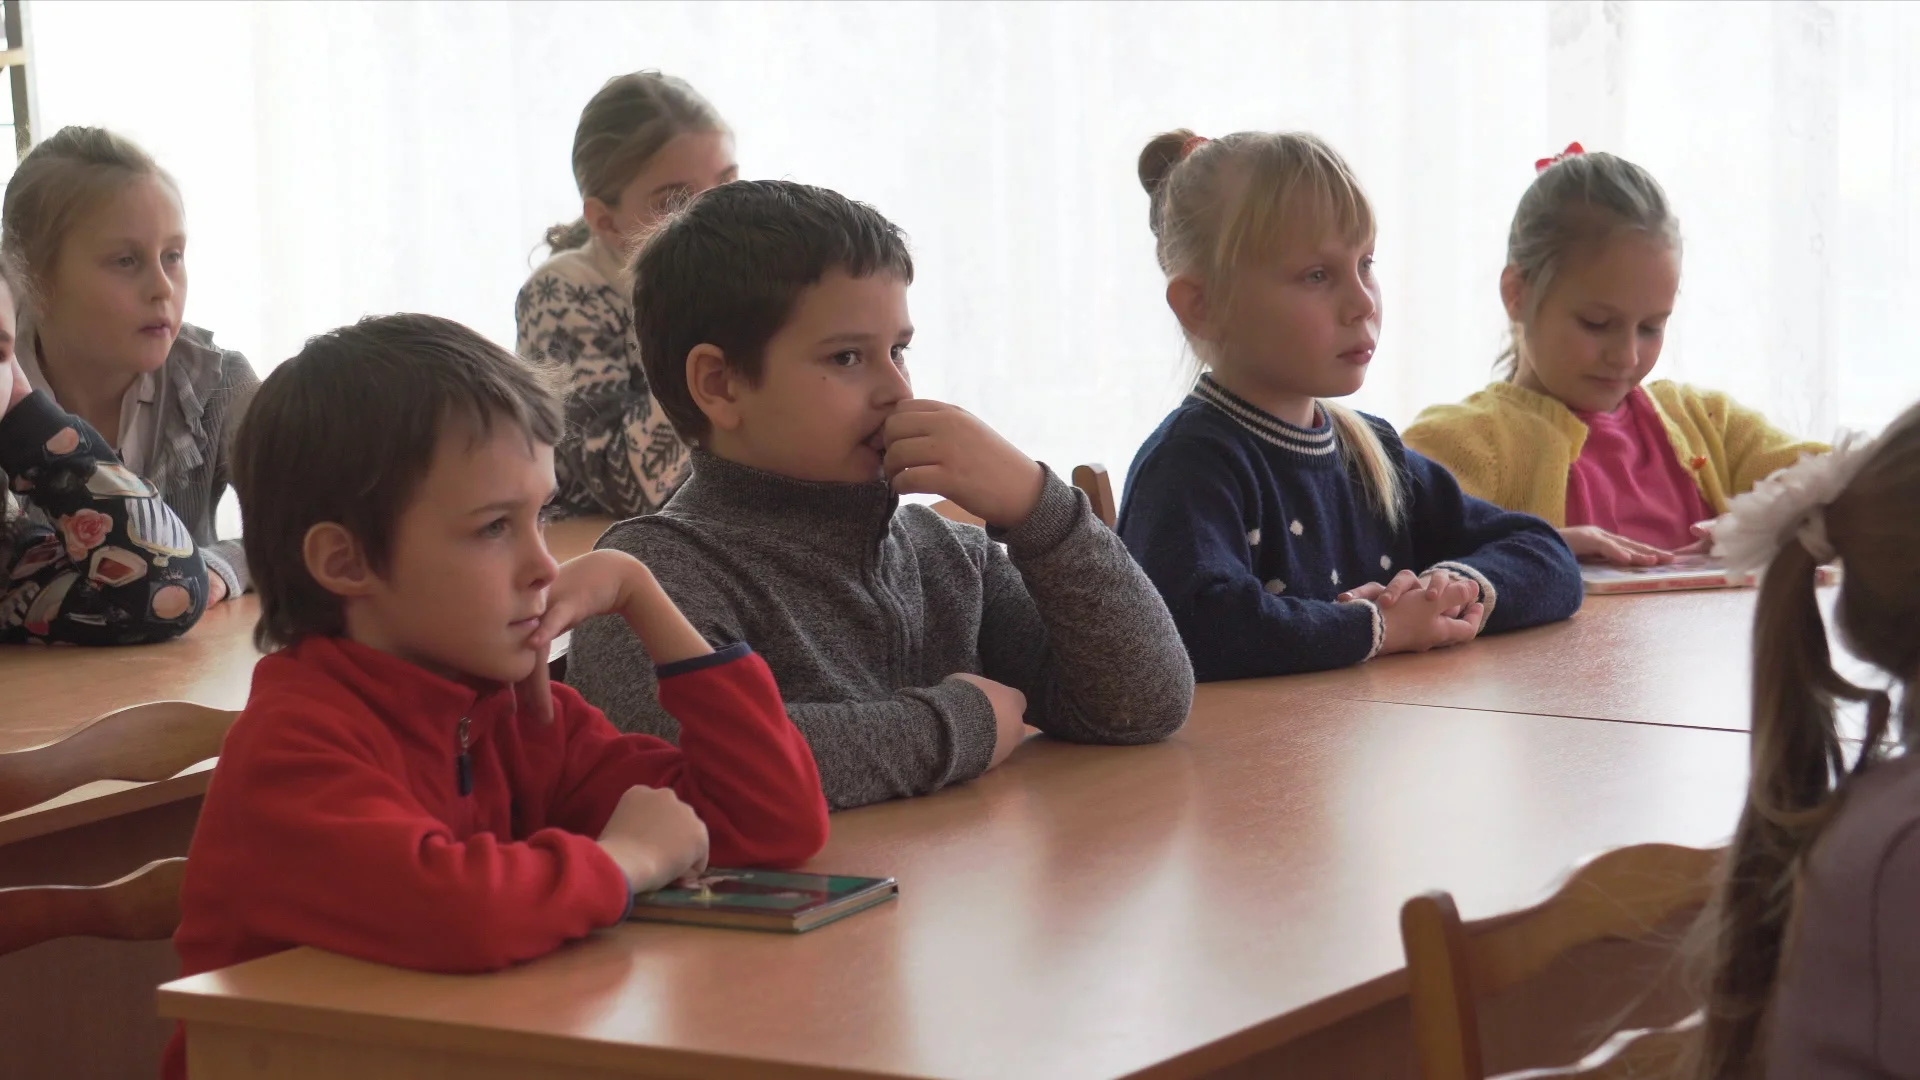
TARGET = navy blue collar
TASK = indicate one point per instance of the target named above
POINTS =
(1316, 442)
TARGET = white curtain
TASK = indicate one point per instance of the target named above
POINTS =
(339, 159)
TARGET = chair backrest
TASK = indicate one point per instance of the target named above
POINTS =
(1093, 480)
(1655, 1054)
(950, 510)
(143, 906)
(143, 742)
(1624, 895)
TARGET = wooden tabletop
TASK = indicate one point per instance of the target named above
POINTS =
(1681, 659)
(1079, 912)
(49, 691)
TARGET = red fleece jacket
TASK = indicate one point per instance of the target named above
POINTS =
(334, 818)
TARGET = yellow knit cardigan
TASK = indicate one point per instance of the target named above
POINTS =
(1513, 447)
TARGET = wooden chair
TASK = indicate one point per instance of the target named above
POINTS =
(1093, 480)
(950, 510)
(147, 743)
(1623, 895)
(144, 742)
(143, 906)
(1630, 1055)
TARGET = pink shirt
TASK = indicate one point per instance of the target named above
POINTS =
(1627, 479)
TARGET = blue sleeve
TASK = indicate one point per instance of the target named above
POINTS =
(1188, 505)
(1527, 574)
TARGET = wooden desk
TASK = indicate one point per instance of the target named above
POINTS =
(52, 690)
(1080, 912)
(1681, 659)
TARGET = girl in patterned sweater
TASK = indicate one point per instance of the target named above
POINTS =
(1627, 472)
(646, 142)
(1286, 532)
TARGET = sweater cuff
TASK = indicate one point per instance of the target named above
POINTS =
(1059, 512)
(1379, 628)
(1488, 595)
(727, 654)
(217, 564)
(25, 430)
(969, 712)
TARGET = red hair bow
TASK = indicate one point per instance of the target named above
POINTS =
(1573, 150)
(1193, 143)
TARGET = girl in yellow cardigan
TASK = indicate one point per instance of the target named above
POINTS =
(1626, 472)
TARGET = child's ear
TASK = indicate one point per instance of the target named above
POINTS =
(1513, 294)
(1188, 299)
(599, 217)
(336, 561)
(714, 387)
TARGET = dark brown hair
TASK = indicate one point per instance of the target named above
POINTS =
(1799, 760)
(726, 270)
(345, 431)
(59, 182)
(627, 122)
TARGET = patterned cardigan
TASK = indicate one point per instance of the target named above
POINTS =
(201, 392)
(620, 455)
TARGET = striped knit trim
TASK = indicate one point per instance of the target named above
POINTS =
(1309, 442)
(1488, 595)
(1379, 628)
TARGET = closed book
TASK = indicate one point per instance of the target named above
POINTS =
(773, 900)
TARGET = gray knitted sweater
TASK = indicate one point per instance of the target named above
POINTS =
(864, 608)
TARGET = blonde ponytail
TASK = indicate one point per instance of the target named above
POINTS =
(1366, 459)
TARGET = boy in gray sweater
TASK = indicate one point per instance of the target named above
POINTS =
(912, 651)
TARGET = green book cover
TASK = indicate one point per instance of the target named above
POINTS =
(764, 899)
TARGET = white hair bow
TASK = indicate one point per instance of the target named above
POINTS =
(1789, 506)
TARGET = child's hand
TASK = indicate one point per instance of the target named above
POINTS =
(1457, 590)
(655, 838)
(1437, 584)
(1383, 596)
(1590, 543)
(1009, 714)
(1702, 543)
(1419, 622)
(216, 588)
(601, 583)
(938, 449)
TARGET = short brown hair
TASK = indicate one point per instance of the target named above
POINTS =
(345, 431)
(60, 181)
(726, 270)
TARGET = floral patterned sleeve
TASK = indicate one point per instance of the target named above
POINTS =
(96, 556)
(620, 455)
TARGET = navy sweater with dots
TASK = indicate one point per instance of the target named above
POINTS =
(1250, 526)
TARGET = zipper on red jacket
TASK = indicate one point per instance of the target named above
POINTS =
(463, 764)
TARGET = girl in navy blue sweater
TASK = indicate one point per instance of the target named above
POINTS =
(1286, 532)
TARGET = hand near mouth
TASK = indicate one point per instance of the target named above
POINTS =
(933, 448)
(606, 582)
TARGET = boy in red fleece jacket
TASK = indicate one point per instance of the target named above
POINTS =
(403, 785)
